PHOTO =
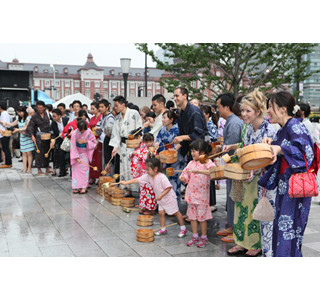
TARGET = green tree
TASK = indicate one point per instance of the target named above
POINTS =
(242, 66)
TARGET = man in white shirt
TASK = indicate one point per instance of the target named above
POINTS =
(5, 117)
(159, 107)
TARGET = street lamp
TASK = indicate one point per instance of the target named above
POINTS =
(125, 67)
(54, 81)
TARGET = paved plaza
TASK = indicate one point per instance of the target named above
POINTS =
(41, 217)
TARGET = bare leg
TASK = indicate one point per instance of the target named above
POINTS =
(29, 156)
(194, 226)
(162, 218)
(203, 227)
(180, 218)
(24, 160)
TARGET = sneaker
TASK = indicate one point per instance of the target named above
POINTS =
(192, 241)
(161, 232)
(182, 233)
(202, 243)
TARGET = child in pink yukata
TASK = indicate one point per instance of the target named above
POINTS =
(166, 197)
(198, 192)
(147, 202)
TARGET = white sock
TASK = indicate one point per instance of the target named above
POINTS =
(182, 227)
(163, 229)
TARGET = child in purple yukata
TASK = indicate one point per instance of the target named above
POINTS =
(165, 196)
(198, 192)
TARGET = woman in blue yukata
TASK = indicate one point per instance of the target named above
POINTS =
(291, 143)
(165, 136)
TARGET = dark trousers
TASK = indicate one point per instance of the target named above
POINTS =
(107, 150)
(213, 200)
(5, 147)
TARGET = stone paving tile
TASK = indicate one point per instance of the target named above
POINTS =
(3, 243)
(116, 248)
(25, 251)
(150, 250)
(83, 244)
(117, 225)
(101, 233)
(57, 251)
(94, 253)
(50, 238)
(4, 254)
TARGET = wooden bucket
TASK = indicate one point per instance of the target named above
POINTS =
(107, 197)
(234, 171)
(145, 221)
(170, 172)
(117, 193)
(6, 132)
(168, 156)
(133, 143)
(128, 201)
(254, 156)
(145, 235)
(105, 179)
(217, 172)
(46, 136)
(116, 201)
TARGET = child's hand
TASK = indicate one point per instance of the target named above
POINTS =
(182, 178)
(79, 160)
(159, 198)
(123, 182)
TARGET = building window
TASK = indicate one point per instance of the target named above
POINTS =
(105, 85)
(112, 72)
(149, 85)
(47, 83)
(87, 83)
(65, 70)
(149, 94)
(77, 83)
(67, 83)
(138, 74)
(67, 93)
(114, 84)
(132, 84)
(132, 93)
(106, 95)
(120, 73)
(45, 71)
(57, 83)
(37, 82)
(57, 94)
(88, 94)
(36, 69)
(158, 86)
(113, 93)
(97, 84)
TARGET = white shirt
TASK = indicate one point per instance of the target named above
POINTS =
(60, 126)
(4, 117)
(157, 125)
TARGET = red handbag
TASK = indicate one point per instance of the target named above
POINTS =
(303, 185)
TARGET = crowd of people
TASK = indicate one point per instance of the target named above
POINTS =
(86, 142)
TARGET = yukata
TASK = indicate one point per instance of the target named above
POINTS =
(198, 191)
(36, 127)
(160, 183)
(247, 232)
(147, 195)
(84, 152)
(291, 214)
(213, 131)
(221, 125)
(123, 125)
(97, 154)
(166, 137)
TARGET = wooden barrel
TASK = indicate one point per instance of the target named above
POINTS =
(145, 221)
(107, 197)
(217, 172)
(145, 235)
(6, 132)
(117, 192)
(105, 179)
(254, 156)
(168, 156)
(46, 136)
(128, 202)
(234, 171)
(116, 201)
(133, 143)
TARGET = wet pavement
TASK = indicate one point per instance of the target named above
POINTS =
(41, 217)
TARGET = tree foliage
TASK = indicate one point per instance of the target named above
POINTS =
(242, 66)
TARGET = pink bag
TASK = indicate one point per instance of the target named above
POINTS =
(303, 185)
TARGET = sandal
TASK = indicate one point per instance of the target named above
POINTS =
(225, 232)
(149, 212)
(253, 253)
(83, 192)
(75, 191)
(236, 250)
(41, 173)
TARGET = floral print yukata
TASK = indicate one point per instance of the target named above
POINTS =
(147, 196)
(291, 214)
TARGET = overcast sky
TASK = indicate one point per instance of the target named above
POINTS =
(73, 54)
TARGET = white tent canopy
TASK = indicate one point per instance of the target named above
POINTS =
(69, 99)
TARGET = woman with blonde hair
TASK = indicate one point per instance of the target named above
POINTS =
(247, 234)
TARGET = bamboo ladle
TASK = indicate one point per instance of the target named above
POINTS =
(104, 172)
(166, 226)
(205, 158)
(116, 176)
(170, 171)
(94, 168)
(131, 136)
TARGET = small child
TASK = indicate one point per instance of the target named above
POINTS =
(138, 157)
(198, 192)
(166, 197)
(83, 143)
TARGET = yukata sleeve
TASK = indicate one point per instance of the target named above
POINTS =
(31, 127)
(115, 136)
(186, 175)
(91, 141)
(165, 183)
(144, 179)
(73, 148)
(300, 143)
(213, 131)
